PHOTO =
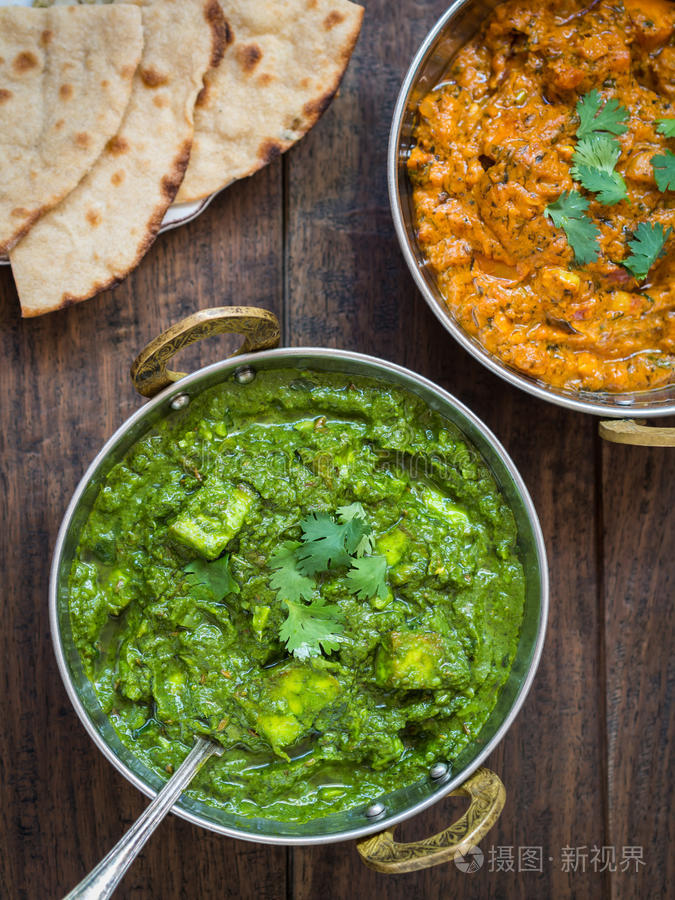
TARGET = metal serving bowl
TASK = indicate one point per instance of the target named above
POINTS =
(455, 27)
(149, 375)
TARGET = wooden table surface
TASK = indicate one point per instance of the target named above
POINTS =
(587, 764)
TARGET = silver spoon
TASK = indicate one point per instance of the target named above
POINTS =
(102, 881)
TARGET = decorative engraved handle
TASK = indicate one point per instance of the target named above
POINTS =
(628, 431)
(102, 881)
(381, 852)
(259, 327)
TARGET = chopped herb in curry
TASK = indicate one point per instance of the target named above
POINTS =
(543, 178)
(316, 571)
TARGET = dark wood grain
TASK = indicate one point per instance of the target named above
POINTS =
(587, 763)
(639, 586)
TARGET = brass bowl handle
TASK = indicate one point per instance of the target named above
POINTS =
(628, 431)
(259, 327)
(382, 853)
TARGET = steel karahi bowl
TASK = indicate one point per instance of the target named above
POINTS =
(466, 774)
(455, 27)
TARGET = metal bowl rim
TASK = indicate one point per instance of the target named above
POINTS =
(229, 365)
(512, 376)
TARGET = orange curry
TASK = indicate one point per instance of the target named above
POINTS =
(494, 148)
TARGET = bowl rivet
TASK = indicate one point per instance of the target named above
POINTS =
(180, 401)
(244, 375)
(375, 810)
(439, 770)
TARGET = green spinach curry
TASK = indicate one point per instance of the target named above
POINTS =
(316, 571)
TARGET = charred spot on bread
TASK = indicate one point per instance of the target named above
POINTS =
(316, 108)
(25, 61)
(221, 31)
(117, 145)
(332, 19)
(152, 78)
(172, 181)
(249, 56)
(203, 95)
(269, 151)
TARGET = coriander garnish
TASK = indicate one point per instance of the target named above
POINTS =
(666, 127)
(597, 151)
(595, 156)
(215, 577)
(569, 213)
(309, 629)
(646, 247)
(327, 543)
(594, 117)
(664, 170)
(594, 159)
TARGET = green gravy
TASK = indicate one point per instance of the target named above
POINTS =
(417, 667)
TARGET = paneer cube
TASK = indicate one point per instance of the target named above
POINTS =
(170, 690)
(290, 702)
(304, 689)
(211, 518)
(278, 729)
(408, 660)
(392, 545)
(443, 507)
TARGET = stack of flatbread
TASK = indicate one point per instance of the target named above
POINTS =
(110, 112)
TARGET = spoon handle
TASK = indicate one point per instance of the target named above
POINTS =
(102, 881)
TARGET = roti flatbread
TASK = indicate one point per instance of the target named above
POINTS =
(65, 81)
(100, 232)
(279, 74)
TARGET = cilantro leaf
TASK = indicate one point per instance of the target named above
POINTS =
(609, 186)
(598, 151)
(594, 159)
(666, 126)
(353, 511)
(594, 117)
(587, 108)
(215, 576)
(328, 544)
(310, 628)
(323, 544)
(358, 537)
(364, 544)
(367, 577)
(664, 170)
(569, 213)
(646, 246)
(287, 580)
